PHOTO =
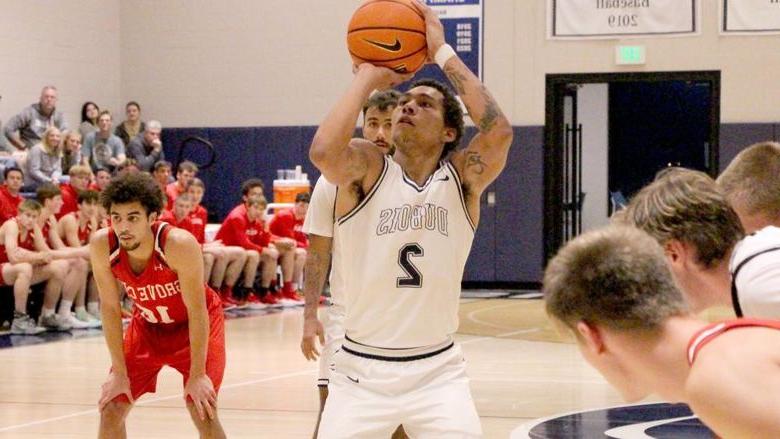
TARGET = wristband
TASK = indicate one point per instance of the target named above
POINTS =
(443, 54)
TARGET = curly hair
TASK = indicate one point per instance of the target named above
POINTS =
(453, 114)
(685, 205)
(132, 187)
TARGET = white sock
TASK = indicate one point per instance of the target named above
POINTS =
(295, 286)
(93, 308)
(46, 312)
(65, 306)
(81, 309)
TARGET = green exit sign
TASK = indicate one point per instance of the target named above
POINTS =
(629, 55)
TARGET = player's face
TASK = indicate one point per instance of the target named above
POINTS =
(14, 181)
(162, 174)
(27, 218)
(256, 191)
(300, 209)
(102, 179)
(418, 120)
(80, 182)
(88, 209)
(185, 177)
(182, 208)
(377, 127)
(131, 224)
(196, 194)
(256, 212)
(55, 203)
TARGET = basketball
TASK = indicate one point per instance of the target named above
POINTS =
(388, 33)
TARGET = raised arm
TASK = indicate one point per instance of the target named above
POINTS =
(184, 256)
(341, 160)
(111, 314)
(485, 156)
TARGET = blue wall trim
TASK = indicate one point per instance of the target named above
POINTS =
(508, 244)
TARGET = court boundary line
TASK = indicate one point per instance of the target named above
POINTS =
(153, 400)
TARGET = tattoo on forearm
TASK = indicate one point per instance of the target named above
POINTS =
(314, 279)
(474, 162)
(491, 114)
(456, 78)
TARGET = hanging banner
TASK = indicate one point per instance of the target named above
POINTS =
(462, 21)
(586, 19)
(740, 17)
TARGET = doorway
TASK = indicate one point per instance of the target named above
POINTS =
(608, 134)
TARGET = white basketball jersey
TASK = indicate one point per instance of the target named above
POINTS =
(755, 272)
(402, 251)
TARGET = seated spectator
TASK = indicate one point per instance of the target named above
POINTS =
(229, 261)
(76, 229)
(71, 151)
(132, 126)
(22, 246)
(288, 223)
(186, 172)
(180, 217)
(243, 227)
(146, 148)
(10, 198)
(751, 184)
(26, 129)
(75, 279)
(252, 188)
(79, 181)
(44, 162)
(102, 179)
(89, 119)
(103, 149)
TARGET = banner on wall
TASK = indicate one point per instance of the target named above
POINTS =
(462, 21)
(589, 19)
(740, 17)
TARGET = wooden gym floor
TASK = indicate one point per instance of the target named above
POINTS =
(520, 370)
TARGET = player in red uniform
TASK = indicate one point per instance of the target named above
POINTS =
(9, 193)
(288, 223)
(79, 181)
(613, 289)
(177, 320)
(229, 260)
(185, 172)
(76, 229)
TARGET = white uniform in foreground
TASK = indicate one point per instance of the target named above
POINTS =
(401, 253)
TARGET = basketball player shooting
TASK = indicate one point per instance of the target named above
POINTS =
(404, 230)
(177, 320)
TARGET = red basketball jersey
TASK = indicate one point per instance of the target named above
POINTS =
(709, 332)
(26, 242)
(156, 291)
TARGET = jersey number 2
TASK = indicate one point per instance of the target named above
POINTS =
(413, 278)
(150, 316)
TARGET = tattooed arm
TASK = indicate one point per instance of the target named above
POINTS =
(316, 269)
(484, 158)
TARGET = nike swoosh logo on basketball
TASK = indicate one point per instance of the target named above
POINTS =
(354, 380)
(389, 47)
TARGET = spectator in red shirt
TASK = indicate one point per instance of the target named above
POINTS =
(180, 217)
(79, 181)
(244, 227)
(185, 172)
(229, 261)
(288, 223)
(9, 193)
